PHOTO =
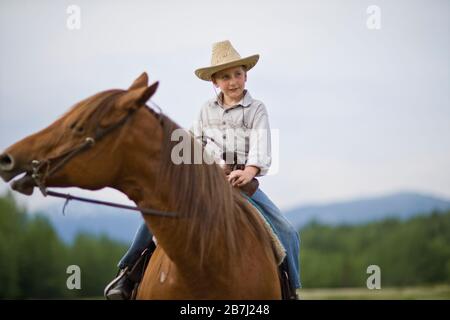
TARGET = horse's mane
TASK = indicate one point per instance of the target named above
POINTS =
(86, 113)
(217, 212)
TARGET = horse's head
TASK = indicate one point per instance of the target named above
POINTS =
(83, 148)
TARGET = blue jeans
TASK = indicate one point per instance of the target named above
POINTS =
(142, 240)
(282, 227)
(287, 234)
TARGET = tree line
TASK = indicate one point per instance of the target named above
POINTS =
(409, 253)
(34, 259)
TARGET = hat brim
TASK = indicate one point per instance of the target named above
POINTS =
(206, 73)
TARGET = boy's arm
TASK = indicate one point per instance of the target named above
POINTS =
(252, 170)
(259, 154)
(196, 129)
(239, 178)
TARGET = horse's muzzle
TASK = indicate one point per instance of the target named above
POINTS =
(24, 185)
(6, 162)
(9, 170)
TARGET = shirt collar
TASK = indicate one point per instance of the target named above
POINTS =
(246, 100)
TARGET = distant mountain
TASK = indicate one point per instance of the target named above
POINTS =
(399, 205)
(122, 224)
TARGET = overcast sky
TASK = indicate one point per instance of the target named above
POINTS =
(359, 111)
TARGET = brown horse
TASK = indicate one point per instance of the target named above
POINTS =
(216, 248)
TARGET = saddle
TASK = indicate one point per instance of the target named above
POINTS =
(250, 188)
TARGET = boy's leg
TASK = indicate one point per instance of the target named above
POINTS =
(121, 288)
(285, 231)
(142, 240)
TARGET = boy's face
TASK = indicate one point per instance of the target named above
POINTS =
(231, 82)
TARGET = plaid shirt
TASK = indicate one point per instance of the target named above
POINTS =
(243, 128)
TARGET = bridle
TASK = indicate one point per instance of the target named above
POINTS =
(42, 169)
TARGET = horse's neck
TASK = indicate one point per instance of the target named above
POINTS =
(175, 235)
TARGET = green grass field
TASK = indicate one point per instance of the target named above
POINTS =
(439, 292)
(404, 293)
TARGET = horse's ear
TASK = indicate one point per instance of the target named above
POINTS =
(134, 98)
(141, 81)
(131, 100)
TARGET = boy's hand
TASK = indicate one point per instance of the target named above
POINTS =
(239, 178)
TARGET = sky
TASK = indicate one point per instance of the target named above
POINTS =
(357, 111)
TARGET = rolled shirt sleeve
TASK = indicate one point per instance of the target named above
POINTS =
(259, 154)
(196, 128)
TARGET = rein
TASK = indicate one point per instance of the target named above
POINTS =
(89, 142)
(69, 197)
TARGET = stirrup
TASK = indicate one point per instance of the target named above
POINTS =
(294, 295)
(120, 275)
(288, 292)
(133, 273)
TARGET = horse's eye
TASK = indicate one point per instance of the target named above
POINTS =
(80, 129)
(77, 129)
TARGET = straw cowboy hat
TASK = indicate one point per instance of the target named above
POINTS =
(224, 56)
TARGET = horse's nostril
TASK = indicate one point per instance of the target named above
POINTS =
(6, 162)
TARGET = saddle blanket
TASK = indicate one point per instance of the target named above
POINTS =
(278, 248)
